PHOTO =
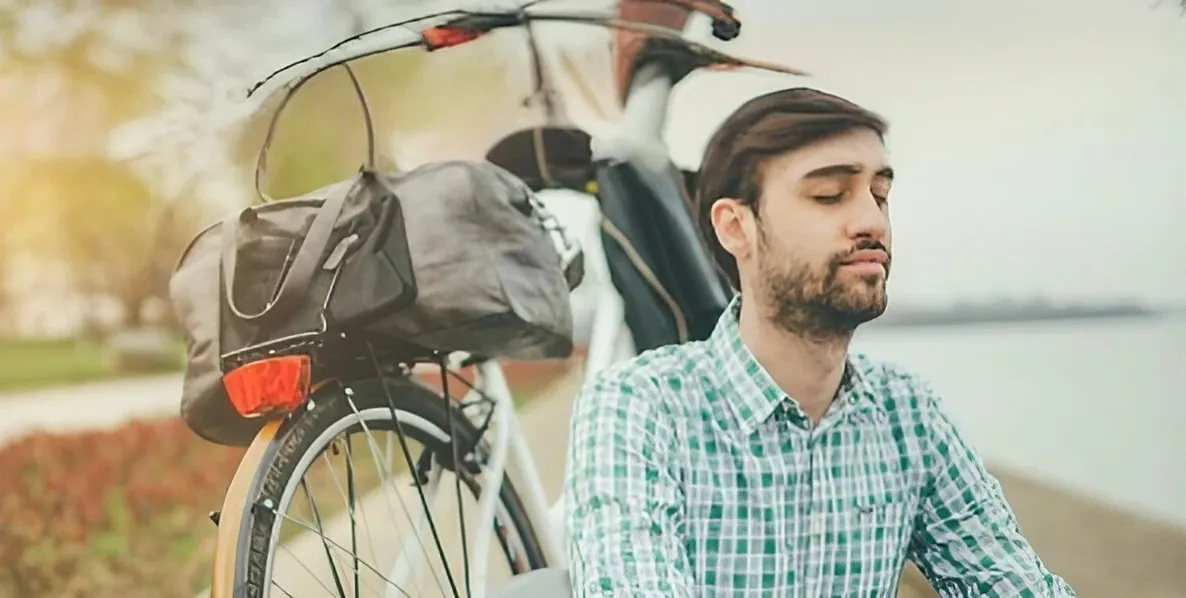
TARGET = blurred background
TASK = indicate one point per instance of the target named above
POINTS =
(1039, 281)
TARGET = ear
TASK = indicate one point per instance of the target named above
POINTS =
(733, 223)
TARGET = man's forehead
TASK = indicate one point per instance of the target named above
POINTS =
(841, 155)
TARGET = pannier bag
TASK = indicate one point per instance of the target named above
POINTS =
(450, 256)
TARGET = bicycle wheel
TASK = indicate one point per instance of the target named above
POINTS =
(323, 432)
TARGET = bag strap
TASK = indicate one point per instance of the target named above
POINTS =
(304, 266)
(261, 160)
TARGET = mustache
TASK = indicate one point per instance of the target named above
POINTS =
(864, 245)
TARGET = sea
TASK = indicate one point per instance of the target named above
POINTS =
(1094, 406)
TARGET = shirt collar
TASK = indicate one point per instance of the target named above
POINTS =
(752, 395)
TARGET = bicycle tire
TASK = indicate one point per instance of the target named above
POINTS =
(294, 439)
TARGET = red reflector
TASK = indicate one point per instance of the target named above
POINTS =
(269, 387)
(436, 38)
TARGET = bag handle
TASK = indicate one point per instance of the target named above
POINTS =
(304, 266)
(261, 161)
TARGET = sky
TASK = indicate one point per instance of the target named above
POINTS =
(1040, 145)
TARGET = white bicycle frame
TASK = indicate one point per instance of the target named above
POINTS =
(643, 121)
(609, 342)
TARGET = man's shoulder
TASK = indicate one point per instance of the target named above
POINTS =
(648, 376)
(894, 386)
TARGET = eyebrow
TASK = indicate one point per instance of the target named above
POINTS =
(846, 169)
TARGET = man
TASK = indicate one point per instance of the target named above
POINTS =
(767, 460)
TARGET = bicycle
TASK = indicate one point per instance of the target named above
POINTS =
(658, 296)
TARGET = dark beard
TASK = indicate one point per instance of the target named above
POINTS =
(814, 304)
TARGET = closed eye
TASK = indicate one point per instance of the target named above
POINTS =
(828, 199)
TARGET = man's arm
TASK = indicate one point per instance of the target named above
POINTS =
(623, 504)
(967, 541)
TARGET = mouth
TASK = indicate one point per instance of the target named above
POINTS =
(875, 256)
(868, 261)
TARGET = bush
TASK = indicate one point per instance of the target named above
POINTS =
(113, 513)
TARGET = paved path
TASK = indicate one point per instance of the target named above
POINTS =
(88, 406)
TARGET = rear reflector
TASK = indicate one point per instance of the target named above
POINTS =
(269, 387)
(436, 38)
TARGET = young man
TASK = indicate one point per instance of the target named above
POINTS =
(768, 460)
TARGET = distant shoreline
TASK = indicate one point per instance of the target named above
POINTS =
(973, 315)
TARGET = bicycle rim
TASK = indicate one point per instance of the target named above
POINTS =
(304, 439)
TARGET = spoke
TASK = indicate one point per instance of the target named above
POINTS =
(307, 570)
(403, 443)
(324, 541)
(286, 592)
(333, 474)
(333, 544)
(385, 475)
(356, 488)
(353, 527)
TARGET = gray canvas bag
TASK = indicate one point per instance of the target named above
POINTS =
(450, 256)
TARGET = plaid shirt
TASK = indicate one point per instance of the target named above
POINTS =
(691, 474)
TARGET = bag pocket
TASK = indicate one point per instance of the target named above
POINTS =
(376, 278)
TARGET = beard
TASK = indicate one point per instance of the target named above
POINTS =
(816, 302)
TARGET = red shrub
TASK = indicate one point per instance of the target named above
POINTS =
(110, 512)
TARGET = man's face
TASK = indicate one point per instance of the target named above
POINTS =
(817, 257)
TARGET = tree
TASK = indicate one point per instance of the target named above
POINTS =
(321, 138)
(206, 131)
(64, 200)
(117, 238)
(113, 47)
(160, 85)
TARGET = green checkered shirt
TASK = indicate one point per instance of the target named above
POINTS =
(691, 474)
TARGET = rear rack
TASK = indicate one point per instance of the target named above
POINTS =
(340, 354)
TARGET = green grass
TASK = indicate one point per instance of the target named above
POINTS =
(37, 363)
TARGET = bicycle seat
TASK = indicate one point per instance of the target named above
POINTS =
(546, 157)
(541, 583)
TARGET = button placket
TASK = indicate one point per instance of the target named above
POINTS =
(815, 490)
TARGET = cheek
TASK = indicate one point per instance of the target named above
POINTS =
(811, 234)
(798, 244)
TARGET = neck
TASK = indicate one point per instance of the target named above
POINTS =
(808, 368)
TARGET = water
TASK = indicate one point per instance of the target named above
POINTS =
(1093, 406)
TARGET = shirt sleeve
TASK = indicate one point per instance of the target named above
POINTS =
(967, 541)
(623, 503)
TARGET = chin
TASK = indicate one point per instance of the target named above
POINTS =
(867, 290)
(867, 305)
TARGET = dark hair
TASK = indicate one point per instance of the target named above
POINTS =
(767, 126)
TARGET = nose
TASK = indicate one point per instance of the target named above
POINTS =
(869, 219)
